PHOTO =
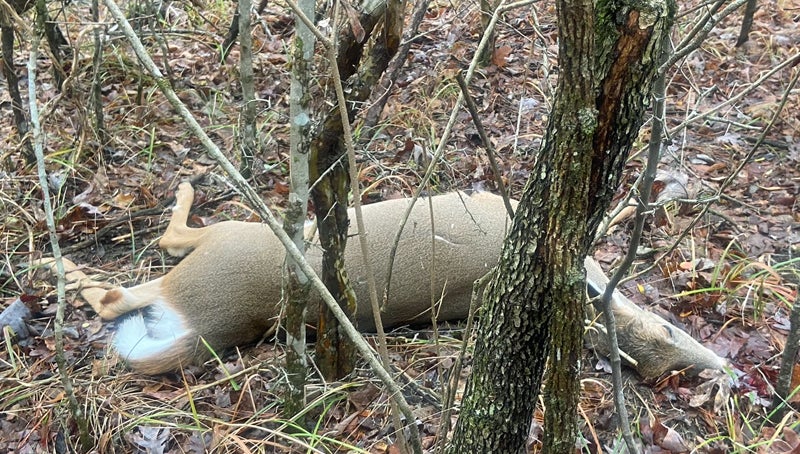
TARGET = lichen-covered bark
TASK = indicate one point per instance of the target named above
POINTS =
(538, 293)
(7, 37)
(335, 353)
(7, 31)
(488, 8)
(247, 130)
(299, 142)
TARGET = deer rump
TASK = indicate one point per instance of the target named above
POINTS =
(227, 291)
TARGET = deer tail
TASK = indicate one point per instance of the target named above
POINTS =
(155, 340)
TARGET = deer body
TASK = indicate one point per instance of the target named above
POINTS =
(227, 291)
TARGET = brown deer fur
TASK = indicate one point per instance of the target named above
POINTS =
(228, 289)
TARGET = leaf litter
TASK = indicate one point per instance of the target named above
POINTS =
(728, 283)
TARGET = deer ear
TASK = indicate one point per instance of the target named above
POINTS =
(669, 335)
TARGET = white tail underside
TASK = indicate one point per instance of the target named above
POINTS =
(149, 333)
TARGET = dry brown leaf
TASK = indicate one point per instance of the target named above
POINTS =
(667, 438)
(354, 20)
(500, 56)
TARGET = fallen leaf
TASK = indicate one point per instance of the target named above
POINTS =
(500, 56)
(151, 440)
(667, 438)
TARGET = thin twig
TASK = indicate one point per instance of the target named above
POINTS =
(487, 145)
(38, 149)
(791, 61)
(689, 43)
(642, 209)
(435, 299)
(416, 442)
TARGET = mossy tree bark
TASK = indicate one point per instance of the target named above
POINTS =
(488, 8)
(20, 120)
(608, 56)
(300, 142)
(247, 129)
(335, 354)
(7, 32)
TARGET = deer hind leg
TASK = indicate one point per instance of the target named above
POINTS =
(121, 300)
(179, 239)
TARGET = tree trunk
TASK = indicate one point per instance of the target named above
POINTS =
(788, 362)
(747, 22)
(607, 62)
(300, 141)
(488, 8)
(247, 130)
(7, 37)
(335, 354)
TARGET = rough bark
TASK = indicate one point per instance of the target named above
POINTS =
(488, 8)
(7, 35)
(607, 58)
(335, 355)
(96, 90)
(334, 352)
(298, 285)
(747, 22)
(247, 128)
(788, 362)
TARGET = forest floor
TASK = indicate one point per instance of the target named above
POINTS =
(730, 281)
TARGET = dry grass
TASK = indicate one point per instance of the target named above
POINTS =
(235, 406)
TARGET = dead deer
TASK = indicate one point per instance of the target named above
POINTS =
(227, 291)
